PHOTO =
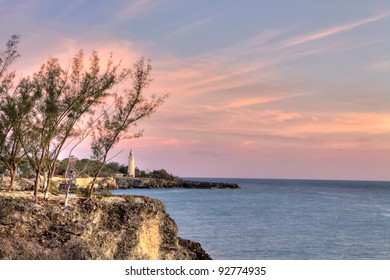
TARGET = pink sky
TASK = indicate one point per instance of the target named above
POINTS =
(254, 92)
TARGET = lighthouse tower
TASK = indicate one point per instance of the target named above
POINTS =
(131, 168)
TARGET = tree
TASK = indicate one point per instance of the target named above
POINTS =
(16, 104)
(8, 56)
(123, 169)
(129, 108)
(162, 174)
(71, 175)
(42, 114)
(15, 112)
(6, 82)
(67, 95)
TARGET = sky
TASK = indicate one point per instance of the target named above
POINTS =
(259, 89)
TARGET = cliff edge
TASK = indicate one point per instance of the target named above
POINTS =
(112, 228)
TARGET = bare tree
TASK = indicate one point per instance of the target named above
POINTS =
(130, 107)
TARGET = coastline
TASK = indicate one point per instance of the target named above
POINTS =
(110, 228)
(158, 183)
(113, 183)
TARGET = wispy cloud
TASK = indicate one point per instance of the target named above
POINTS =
(335, 30)
(245, 102)
(380, 65)
(72, 7)
(207, 152)
(279, 116)
(187, 28)
(138, 8)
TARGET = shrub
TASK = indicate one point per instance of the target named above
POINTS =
(84, 193)
(129, 199)
(54, 187)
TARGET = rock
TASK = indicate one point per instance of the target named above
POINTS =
(129, 183)
(207, 185)
(112, 228)
(195, 248)
(108, 183)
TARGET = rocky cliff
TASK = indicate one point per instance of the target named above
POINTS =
(111, 228)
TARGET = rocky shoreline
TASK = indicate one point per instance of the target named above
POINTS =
(112, 228)
(157, 183)
(111, 183)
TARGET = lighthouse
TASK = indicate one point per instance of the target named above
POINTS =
(131, 168)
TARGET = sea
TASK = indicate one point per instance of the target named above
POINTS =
(283, 219)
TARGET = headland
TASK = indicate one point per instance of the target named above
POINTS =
(109, 228)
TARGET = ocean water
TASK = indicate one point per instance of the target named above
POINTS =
(283, 219)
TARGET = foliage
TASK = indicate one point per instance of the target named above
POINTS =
(129, 199)
(42, 114)
(160, 174)
(122, 169)
(67, 95)
(7, 57)
(130, 107)
(113, 168)
(16, 104)
(109, 169)
(54, 187)
(83, 192)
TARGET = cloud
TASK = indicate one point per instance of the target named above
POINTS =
(335, 30)
(162, 141)
(365, 131)
(247, 143)
(279, 116)
(35, 52)
(246, 65)
(245, 102)
(188, 28)
(137, 8)
(208, 152)
(380, 65)
(258, 43)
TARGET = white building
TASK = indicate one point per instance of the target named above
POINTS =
(131, 168)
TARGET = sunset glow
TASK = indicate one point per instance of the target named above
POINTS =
(265, 89)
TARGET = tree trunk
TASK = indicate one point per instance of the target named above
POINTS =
(68, 184)
(36, 186)
(92, 186)
(46, 183)
(13, 175)
(96, 175)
